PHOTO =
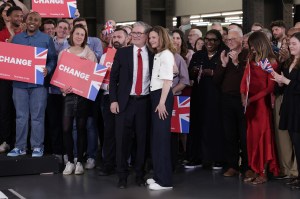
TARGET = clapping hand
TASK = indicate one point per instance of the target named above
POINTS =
(224, 58)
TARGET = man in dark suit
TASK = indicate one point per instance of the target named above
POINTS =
(130, 101)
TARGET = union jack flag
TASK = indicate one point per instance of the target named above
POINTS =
(265, 65)
(109, 28)
(72, 6)
(247, 73)
(180, 121)
(40, 54)
(95, 86)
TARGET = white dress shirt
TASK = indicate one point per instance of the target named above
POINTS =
(162, 69)
(146, 73)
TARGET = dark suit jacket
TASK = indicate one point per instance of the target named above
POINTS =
(121, 76)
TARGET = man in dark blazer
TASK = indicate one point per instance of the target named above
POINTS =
(130, 101)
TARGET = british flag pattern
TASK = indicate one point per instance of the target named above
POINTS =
(40, 55)
(265, 65)
(180, 122)
(95, 86)
(72, 6)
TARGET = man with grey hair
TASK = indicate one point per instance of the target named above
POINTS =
(193, 35)
(129, 90)
(217, 26)
(228, 76)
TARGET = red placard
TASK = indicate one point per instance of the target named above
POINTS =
(55, 8)
(110, 55)
(180, 121)
(26, 66)
(84, 76)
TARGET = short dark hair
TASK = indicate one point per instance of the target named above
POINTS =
(11, 9)
(64, 21)
(121, 29)
(72, 32)
(47, 21)
(78, 20)
(279, 23)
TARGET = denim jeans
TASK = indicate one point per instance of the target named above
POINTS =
(31, 101)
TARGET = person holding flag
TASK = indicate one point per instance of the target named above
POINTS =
(256, 98)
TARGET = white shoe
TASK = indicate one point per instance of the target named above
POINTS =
(90, 163)
(150, 181)
(79, 169)
(69, 169)
(157, 187)
(4, 147)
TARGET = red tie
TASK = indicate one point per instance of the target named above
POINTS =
(139, 77)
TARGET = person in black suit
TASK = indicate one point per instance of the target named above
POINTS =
(130, 101)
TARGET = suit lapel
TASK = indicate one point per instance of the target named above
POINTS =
(130, 62)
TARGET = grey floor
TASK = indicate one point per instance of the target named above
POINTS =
(198, 183)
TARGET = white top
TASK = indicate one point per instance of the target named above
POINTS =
(146, 73)
(162, 69)
(104, 86)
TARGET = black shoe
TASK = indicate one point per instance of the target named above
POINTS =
(140, 182)
(293, 182)
(106, 172)
(122, 184)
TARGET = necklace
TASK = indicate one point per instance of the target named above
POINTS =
(210, 56)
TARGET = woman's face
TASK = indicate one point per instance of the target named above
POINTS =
(177, 40)
(211, 42)
(154, 40)
(199, 44)
(78, 36)
(295, 47)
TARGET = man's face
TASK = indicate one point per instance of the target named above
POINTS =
(16, 18)
(218, 28)
(119, 39)
(192, 37)
(62, 30)
(49, 29)
(278, 32)
(33, 22)
(82, 23)
(234, 41)
(138, 36)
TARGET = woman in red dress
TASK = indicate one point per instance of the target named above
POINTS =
(256, 89)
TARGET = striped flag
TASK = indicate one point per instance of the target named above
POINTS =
(247, 71)
(265, 65)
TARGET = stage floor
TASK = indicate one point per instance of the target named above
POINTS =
(198, 183)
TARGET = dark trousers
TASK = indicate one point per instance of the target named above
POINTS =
(295, 137)
(54, 131)
(109, 141)
(132, 122)
(7, 112)
(234, 123)
(161, 141)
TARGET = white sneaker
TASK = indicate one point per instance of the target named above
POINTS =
(157, 187)
(4, 147)
(79, 169)
(150, 181)
(90, 163)
(69, 169)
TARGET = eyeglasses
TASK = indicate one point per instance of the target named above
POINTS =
(230, 40)
(136, 34)
(212, 40)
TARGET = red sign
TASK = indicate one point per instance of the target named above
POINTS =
(110, 55)
(84, 76)
(27, 66)
(55, 8)
(180, 121)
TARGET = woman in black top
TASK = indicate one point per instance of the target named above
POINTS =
(289, 80)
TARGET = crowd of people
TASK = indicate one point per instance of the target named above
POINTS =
(244, 89)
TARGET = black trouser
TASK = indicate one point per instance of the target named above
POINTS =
(68, 138)
(98, 117)
(133, 120)
(6, 112)
(295, 137)
(109, 141)
(161, 141)
(54, 131)
(234, 123)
